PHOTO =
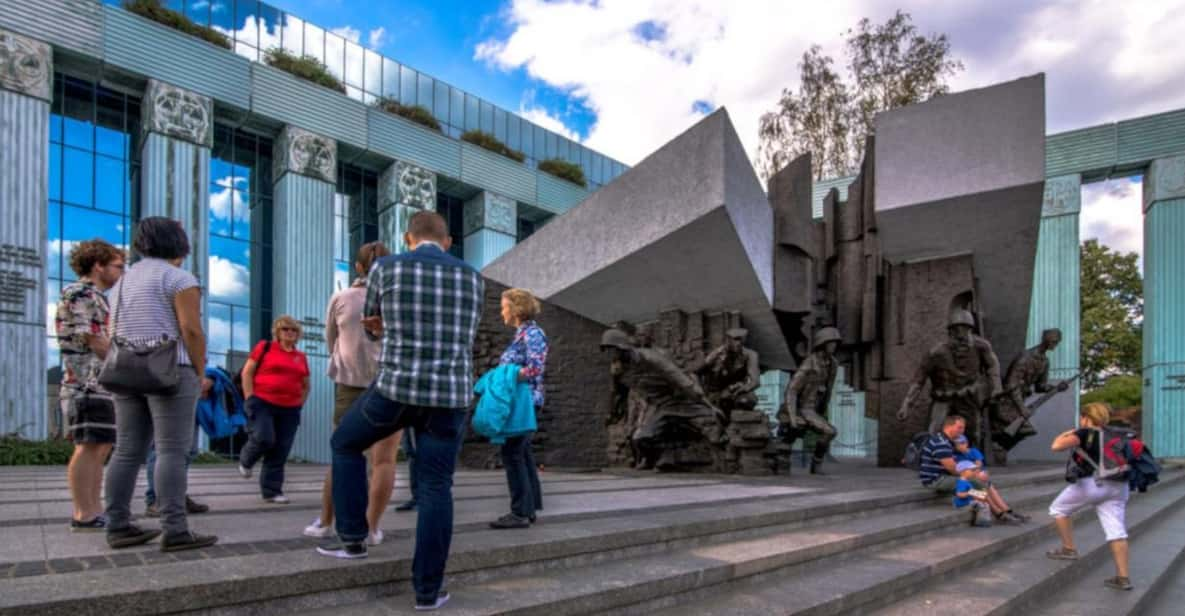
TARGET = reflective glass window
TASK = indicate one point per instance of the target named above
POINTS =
(247, 51)
(293, 35)
(440, 101)
(314, 42)
(270, 27)
(335, 55)
(586, 163)
(562, 152)
(390, 78)
(500, 124)
(550, 145)
(540, 147)
(407, 85)
(456, 107)
(374, 73)
(247, 22)
(78, 168)
(472, 106)
(355, 57)
(528, 139)
(424, 91)
(514, 132)
(487, 117)
(198, 11)
(222, 16)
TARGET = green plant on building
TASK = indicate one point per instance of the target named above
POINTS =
(564, 170)
(152, 9)
(16, 451)
(416, 113)
(305, 67)
(492, 144)
(1121, 391)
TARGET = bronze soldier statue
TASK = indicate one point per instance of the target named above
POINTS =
(964, 375)
(1028, 374)
(676, 406)
(804, 403)
(730, 374)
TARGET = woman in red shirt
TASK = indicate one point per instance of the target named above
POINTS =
(275, 384)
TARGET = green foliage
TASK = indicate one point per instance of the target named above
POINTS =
(16, 451)
(416, 113)
(209, 457)
(1121, 392)
(1112, 314)
(153, 10)
(890, 65)
(305, 67)
(492, 144)
(564, 170)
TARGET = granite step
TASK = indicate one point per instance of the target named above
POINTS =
(295, 578)
(644, 583)
(1169, 598)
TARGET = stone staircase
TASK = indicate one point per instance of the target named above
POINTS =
(832, 546)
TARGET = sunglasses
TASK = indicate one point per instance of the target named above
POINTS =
(290, 329)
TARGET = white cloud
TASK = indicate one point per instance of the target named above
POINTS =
(349, 33)
(376, 37)
(225, 203)
(228, 279)
(219, 335)
(1112, 213)
(540, 117)
(59, 247)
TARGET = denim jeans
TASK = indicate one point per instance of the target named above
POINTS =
(522, 475)
(409, 450)
(272, 430)
(150, 466)
(438, 439)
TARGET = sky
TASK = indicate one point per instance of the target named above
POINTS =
(626, 76)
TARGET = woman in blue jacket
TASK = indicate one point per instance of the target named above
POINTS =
(528, 350)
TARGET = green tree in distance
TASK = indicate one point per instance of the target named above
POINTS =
(1123, 391)
(1112, 314)
(890, 65)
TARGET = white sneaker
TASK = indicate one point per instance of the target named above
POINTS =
(278, 499)
(316, 529)
(244, 472)
(375, 538)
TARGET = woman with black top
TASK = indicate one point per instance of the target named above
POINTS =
(1107, 496)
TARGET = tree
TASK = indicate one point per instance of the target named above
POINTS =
(1112, 314)
(1121, 392)
(891, 65)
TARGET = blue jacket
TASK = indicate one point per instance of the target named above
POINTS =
(212, 414)
(505, 408)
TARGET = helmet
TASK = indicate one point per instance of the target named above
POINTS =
(738, 333)
(825, 335)
(961, 317)
(616, 338)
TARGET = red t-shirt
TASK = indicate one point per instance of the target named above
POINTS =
(279, 377)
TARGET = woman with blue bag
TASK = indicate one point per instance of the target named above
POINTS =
(511, 393)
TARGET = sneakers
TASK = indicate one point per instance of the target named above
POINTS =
(510, 521)
(194, 507)
(341, 549)
(409, 505)
(316, 529)
(441, 599)
(93, 525)
(1062, 553)
(1018, 515)
(130, 536)
(1010, 518)
(244, 472)
(1117, 582)
(375, 538)
(278, 499)
(188, 540)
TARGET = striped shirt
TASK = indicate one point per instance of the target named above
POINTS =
(936, 449)
(142, 303)
(430, 302)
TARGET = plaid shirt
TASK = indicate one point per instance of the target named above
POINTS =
(431, 303)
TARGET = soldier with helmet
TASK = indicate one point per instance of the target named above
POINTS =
(964, 374)
(804, 405)
(1028, 374)
(730, 373)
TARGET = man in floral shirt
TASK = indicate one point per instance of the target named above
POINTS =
(81, 326)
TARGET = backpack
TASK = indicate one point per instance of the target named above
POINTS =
(1122, 457)
(912, 458)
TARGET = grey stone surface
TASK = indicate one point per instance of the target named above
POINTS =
(1063, 195)
(406, 184)
(26, 65)
(1165, 180)
(965, 143)
(491, 211)
(174, 112)
(297, 150)
(688, 228)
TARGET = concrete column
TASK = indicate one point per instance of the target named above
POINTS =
(1164, 307)
(490, 228)
(26, 75)
(404, 189)
(302, 271)
(1055, 303)
(178, 128)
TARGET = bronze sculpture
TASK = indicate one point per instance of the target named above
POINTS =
(964, 376)
(1028, 374)
(804, 404)
(730, 374)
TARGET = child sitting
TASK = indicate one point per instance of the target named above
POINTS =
(964, 452)
(967, 494)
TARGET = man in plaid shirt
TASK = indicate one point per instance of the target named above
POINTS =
(424, 304)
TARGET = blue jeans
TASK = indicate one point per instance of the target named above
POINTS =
(372, 418)
(150, 493)
(409, 450)
(522, 475)
(272, 430)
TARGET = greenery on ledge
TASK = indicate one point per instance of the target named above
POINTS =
(564, 170)
(306, 67)
(153, 10)
(16, 451)
(416, 113)
(492, 144)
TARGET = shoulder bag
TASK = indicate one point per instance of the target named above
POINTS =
(138, 367)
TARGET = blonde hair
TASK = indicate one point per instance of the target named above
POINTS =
(523, 304)
(1099, 413)
(285, 320)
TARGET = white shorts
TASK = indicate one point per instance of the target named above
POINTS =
(1109, 499)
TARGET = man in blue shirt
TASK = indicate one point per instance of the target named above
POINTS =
(939, 472)
(424, 305)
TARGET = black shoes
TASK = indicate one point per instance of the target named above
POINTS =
(409, 505)
(1118, 583)
(130, 536)
(441, 599)
(510, 521)
(191, 507)
(341, 549)
(188, 540)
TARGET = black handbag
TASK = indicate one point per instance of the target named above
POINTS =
(139, 367)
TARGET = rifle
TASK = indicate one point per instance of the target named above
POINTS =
(1024, 418)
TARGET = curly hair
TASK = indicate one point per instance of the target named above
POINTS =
(86, 255)
(523, 304)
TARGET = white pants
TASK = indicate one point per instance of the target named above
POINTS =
(1109, 499)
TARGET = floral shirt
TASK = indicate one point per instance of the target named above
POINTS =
(82, 310)
(529, 350)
